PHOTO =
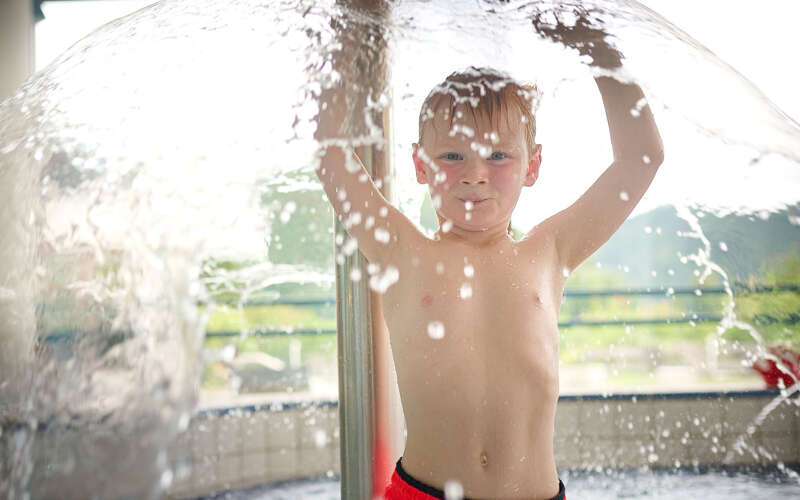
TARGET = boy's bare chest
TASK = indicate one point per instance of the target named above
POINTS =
(458, 298)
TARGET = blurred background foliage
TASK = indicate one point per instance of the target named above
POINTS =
(649, 253)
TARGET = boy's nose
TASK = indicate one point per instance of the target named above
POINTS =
(475, 172)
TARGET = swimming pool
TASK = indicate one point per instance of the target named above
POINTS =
(712, 484)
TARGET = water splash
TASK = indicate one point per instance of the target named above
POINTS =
(143, 157)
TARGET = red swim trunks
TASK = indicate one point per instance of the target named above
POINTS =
(405, 487)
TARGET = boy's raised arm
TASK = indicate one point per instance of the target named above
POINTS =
(372, 221)
(582, 228)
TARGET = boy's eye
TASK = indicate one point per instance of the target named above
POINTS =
(452, 156)
(497, 155)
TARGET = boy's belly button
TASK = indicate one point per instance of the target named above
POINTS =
(484, 458)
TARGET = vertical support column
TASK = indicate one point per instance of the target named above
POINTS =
(18, 190)
(369, 404)
(16, 44)
(354, 334)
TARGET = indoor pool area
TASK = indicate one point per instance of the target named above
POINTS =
(266, 249)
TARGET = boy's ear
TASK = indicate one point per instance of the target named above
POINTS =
(533, 166)
(419, 165)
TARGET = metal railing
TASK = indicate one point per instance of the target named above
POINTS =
(761, 319)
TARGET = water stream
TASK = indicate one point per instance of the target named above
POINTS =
(163, 144)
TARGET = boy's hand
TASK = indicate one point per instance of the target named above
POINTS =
(576, 27)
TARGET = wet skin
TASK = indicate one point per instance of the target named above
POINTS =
(479, 402)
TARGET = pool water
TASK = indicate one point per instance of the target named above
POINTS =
(714, 484)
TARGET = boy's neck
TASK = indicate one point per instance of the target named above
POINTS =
(478, 238)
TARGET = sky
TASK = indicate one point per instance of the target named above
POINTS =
(755, 42)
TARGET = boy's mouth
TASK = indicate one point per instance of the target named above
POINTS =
(473, 199)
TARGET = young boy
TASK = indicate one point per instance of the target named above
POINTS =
(473, 314)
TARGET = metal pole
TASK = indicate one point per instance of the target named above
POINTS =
(370, 418)
(18, 190)
(356, 412)
(16, 44)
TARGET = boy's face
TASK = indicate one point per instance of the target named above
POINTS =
(475, 169)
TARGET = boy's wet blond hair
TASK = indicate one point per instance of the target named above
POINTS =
(485, 92)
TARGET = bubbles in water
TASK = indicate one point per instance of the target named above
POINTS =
(465, 291)
(468, 205)
(723, 246)
(355, 275)
(447, 226)
(436, 330)
(623, 195)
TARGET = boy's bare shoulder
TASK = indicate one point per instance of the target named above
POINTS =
(541, 237)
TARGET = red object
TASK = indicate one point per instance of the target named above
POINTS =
(769, 369)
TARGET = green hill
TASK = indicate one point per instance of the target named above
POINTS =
(647, 249)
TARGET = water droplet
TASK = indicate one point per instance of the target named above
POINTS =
(350, 246)
(447, 226)
(723, 246)
(469, 271)
(228, 352)
(565, 272)
(646, 159)
(380, 282)
(623, 195)
(468, 205)
(468, 216)
(352, 220)
(453, 490)
(465, 291)
(698, 292)
(436, 330)
(439, 268)
(355, 275)
(648, 229)
(382, 235)
(320, 438)
(383, 212)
